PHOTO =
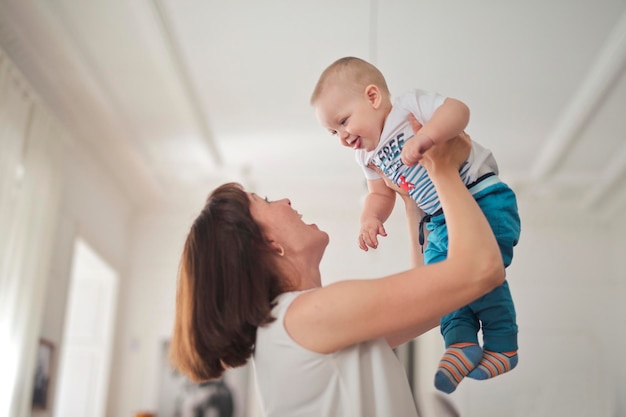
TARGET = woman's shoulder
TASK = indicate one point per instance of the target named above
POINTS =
(276, 332)
(284, 300)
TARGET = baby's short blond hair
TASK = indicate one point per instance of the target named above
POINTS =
(353, 74)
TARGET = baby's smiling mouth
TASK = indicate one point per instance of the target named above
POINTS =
(356, 143)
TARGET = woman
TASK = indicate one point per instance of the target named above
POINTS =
(250, 284)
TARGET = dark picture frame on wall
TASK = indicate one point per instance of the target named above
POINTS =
(43, 372)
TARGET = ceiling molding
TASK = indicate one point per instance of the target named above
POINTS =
(603, 75)
(181, 83)
(34, 41)
(184, 76)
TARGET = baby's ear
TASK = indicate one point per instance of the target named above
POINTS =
(372, 93)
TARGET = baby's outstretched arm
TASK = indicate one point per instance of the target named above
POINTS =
(376, 209)
(447, 122)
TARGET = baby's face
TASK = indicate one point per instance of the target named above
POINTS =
(354, 117)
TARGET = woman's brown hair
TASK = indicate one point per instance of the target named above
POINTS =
(227, 282)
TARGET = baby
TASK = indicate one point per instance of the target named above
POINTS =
(352, 100)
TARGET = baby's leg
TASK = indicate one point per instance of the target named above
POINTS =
(462, 353)
(493, 364)
(497, 314)
(459, 328)
(456, 363)
(496, 310)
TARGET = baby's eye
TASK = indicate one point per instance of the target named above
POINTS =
(342, 122)
(333, 132)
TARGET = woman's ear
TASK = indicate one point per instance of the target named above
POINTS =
(277, 247)
(372, 93)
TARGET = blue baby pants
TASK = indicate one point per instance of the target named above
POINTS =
(494, 311)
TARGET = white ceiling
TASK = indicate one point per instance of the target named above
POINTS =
(174, 96)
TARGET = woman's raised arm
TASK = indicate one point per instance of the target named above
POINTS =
(412, 301)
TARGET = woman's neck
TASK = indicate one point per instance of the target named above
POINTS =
(301, 276)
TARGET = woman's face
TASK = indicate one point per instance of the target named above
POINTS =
(284, 226)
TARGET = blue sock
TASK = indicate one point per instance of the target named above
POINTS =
(458, 361)
(493, 364)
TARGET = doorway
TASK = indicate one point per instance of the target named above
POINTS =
(87, 338)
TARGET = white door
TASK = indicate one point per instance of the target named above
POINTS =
(87, 337)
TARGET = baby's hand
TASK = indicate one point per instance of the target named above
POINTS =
(371, 227)
(414, 149)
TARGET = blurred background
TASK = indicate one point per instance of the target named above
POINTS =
(117, 118)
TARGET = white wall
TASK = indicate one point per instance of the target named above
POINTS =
(146, 311)
(566, 283)
(60, 193)
(619, 249)
(92, 208)
(568, 293)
